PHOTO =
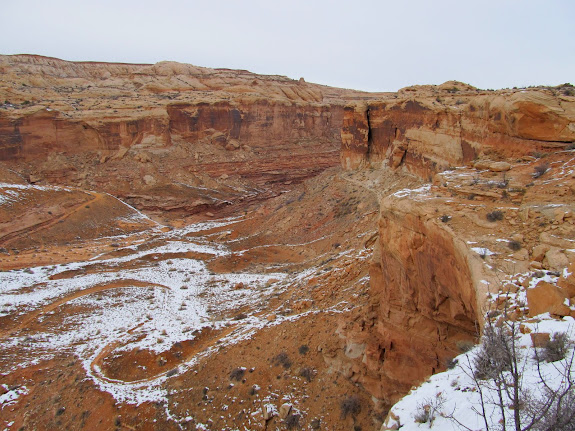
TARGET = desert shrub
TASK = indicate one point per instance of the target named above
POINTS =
(560, 415)
(556, 348)
(495, 215)
(422, 414)
(315, 424)
(464, 346)
(539, 170)
(494, 356)
(282, 359)
(514, 245)
(172, 372)
(292, 421)
(350, 405)
(237, 374)
(303, 349)
(445, 218)
(429, 409)
(307, 373)
(451, 363)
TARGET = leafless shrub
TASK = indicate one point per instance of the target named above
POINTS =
(315, 424)
(292, 421)
(539, 170)
(495, 215)
(237, 374)
(429, 409)
(514, 245)
(350, 405)
(282, 359)
(556, 348)
(307, 373)
(497, 371)
(464, 346)
(493, 358)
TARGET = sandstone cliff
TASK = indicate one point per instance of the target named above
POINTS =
(156, 135)
(452, 125)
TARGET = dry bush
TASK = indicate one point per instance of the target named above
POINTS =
(237, 374)
(292, 421)
(495, 215)
(307, 373)
(350, 405)
(556, 348)
(282, 359)
(540, 170)
(493, 358)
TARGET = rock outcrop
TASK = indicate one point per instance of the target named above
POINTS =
(159, 133)
(441, 128)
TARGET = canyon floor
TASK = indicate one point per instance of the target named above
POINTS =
(154, 326)
(217, 324)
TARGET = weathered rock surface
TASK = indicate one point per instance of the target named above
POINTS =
(113, 126)
(429, 131)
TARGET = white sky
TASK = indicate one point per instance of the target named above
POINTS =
(363, 44)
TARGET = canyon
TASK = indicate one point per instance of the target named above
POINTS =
(194, 248)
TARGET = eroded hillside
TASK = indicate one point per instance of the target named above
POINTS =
(187, 248)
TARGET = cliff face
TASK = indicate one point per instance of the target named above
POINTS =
(427, 132)
(156, 134)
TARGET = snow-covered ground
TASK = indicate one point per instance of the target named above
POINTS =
(142, 299)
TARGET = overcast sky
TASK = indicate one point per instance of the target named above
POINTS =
(363, 44)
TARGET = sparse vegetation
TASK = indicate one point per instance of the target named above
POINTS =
(514, 245)
(350, 405)
(307, 373)
(237, 374)
(556, 348)
(464, 346)
(452, 363)
(506, 400)
(282, 359)
(303, 349)
(496, 215)
(539, 170)
(429, 409)
(493, 358)
(315, 424)
(292, 421)
(445, 218)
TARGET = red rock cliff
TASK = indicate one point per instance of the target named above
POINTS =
(428, 131)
